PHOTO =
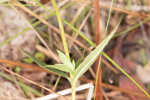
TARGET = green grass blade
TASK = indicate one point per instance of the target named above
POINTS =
(126, 74)
(132, 27)
(90, 59)
(80, 33)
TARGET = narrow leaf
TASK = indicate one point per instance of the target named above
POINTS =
(65, 60)
(73, 63)
(60, 67)
(58, 72)
(42, 64)
(91, 58)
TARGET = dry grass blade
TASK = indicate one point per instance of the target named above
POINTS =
(97, 34)
(47, 52)
(23, 65)
(15, 74)
(49, 25)
(134, 93)
(21, 77)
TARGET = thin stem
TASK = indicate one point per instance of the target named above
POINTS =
(110, 10)
(61, 28)
(126, 74)
(56, 84)
(73, 85)
(97, 80)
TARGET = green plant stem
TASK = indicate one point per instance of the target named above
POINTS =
(61, 28)
(73, 85)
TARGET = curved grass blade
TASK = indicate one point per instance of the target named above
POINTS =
(90, 59)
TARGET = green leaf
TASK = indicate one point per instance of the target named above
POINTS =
(65, 60)
(73, 63)
(78, 62)
(42, 64)
(90, 59)
(60, 67)
(3, 1)
(58, 72)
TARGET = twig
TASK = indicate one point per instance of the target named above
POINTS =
(47, 52)
(68, 91)
(98, 38)
(30, 81)
(49, 25)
